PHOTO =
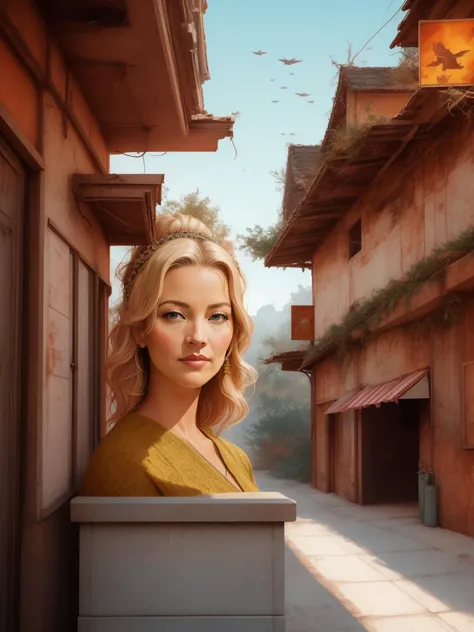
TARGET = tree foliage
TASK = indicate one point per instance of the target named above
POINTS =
(258, 241)
(281, 439)
(279, 433)
(202, 209)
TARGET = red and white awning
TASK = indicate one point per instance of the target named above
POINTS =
(381, 394)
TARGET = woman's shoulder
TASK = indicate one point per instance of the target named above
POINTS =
(117, 465)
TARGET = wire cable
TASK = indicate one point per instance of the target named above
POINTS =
(376, 33)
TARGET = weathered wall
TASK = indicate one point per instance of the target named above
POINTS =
(48, 542)
(422, 202)
(363, 107)
(428, 205)
(452, 464)
(442, 420)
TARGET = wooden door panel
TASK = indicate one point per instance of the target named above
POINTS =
(12, 184)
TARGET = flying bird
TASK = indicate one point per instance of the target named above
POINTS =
(272, 79)
(236, 114)
(445, 57)
(259, 52)
(290, 62)
(292, 134)
(283, 87)
(443, 78)
(282, 134)
(310, 101)
(302, 94)
(277, 101)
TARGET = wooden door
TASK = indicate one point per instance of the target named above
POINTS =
(344, 455)
(12, 188)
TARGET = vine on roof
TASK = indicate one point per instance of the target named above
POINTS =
(363, 317)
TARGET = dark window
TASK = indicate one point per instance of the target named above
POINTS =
(355, 239)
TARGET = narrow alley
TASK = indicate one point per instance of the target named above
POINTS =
(352, 568)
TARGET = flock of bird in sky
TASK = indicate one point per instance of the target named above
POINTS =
(286, 62)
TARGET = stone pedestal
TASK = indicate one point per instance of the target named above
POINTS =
(199, 564)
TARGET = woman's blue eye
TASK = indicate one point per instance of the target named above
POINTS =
(221, 317)
(218, 317)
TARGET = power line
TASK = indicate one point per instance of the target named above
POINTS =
(377, 32)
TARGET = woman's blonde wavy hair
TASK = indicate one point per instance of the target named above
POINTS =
(221, 402)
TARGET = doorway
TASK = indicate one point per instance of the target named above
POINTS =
(389, 452)
(12, 196)
(342, 454)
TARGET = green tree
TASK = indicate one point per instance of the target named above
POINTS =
(279, 433)
(201, 208)
(258, 241)
(281, 439)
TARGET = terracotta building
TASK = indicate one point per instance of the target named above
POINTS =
(79, 81)
(386, 226)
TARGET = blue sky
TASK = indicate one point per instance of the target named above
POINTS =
(311, 30)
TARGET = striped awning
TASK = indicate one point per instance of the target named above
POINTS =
(375, 395)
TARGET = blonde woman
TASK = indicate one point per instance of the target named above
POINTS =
(176, 371)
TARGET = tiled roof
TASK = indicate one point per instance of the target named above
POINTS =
(416, 10)
(342, 181)
(303, 161)
(301, 167)
(375, 78)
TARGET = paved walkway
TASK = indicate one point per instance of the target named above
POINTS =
(352, 568)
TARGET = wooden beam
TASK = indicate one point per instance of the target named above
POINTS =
(389, 162)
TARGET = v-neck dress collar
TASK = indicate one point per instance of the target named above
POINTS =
(175, 465)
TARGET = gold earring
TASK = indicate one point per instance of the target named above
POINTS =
(227, 366)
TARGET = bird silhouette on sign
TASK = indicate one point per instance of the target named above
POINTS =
(259, 52)
(443, 78)
(290, 62)
(277, 101)
(302, 94)
(283, 87)
(446, 58)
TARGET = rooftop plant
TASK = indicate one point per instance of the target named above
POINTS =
(362, 317)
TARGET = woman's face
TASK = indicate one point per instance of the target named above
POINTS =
(193, 328)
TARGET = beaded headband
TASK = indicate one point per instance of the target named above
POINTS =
(143, 257)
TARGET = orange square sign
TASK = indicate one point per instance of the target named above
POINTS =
(446, 53)
(302, 322)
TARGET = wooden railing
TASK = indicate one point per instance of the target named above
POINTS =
(198, 564)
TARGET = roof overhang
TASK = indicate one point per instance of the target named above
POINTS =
(341, 182)
(412, 386)
(417, 10)
(289, 360)
(124, 205)
(141, 66)
(344, 86)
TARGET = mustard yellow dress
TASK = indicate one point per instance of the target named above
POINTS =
(138, 457)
